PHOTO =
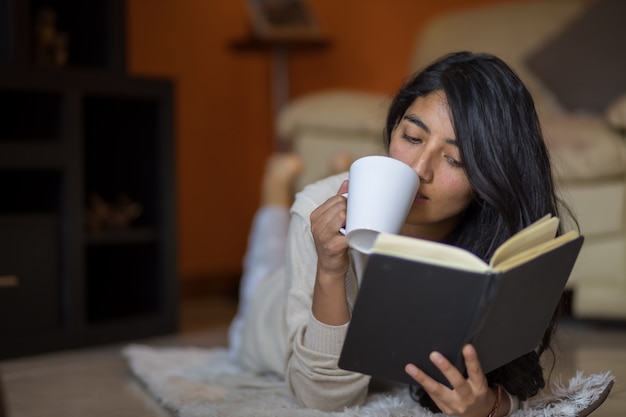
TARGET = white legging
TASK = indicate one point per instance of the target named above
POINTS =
(257, 335)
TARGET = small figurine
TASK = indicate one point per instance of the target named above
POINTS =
(51, 45)
(102, 215)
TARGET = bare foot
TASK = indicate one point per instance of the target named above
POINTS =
(281, 171)
(340, 162)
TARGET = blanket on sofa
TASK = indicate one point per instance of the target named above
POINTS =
(195, 382)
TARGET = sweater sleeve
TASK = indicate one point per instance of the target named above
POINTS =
(313, 347)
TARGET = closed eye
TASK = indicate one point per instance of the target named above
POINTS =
(452, 160)
(411, 139)
(455, 163)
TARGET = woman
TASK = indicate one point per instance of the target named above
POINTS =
(467, 125)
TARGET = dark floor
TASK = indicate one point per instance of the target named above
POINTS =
(96, 382)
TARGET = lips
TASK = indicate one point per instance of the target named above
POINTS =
(420, 199)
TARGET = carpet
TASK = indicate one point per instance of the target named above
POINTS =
(198, 382)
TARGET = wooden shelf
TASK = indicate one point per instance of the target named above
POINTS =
(252, 43)
(94, 31)
(131, 236)
(84, 128)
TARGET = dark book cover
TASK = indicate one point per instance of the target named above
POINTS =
(406, 309)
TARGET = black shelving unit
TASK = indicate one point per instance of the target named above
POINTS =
(70, 132)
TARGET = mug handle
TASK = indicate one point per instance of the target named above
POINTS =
(342, 230)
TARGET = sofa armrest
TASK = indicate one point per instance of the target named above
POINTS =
(616, 113)
(584, 147)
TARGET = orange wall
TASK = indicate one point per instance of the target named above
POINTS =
(223, 113)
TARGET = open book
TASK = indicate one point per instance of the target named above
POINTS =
(418, 296)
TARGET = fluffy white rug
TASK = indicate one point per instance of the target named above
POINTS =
(195, 382)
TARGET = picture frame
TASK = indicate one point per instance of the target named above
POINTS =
(283, 20)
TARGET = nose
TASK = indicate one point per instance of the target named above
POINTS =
(422, 164)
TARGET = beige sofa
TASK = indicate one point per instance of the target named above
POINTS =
(588, 147)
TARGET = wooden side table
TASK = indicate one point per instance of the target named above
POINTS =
(280, 49)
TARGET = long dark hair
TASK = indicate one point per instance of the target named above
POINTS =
(507, 164)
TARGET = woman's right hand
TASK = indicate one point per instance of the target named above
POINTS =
(329, 300)
(330, 244)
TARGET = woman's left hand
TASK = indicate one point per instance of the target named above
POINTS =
(468, 397)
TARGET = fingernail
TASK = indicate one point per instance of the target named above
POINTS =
(436, 357)
(411, 369)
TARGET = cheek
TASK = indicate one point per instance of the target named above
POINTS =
(458, 192)
(398, 151)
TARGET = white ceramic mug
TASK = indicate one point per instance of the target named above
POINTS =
(381, 192)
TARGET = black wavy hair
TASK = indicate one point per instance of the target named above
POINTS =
(507, 164)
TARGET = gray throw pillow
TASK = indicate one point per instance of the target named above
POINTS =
(585, 65)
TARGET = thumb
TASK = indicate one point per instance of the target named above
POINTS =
(343, 188)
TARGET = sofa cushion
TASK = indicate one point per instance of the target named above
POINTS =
(584, 65)
(584, 147)
(513, 30)
(342, 110)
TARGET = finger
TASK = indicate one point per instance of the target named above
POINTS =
(433, 387)
(439, 393)
(452, 374)
(472, 364)
(326, 221)
(343, 188)
(337, 215)
(330, 208)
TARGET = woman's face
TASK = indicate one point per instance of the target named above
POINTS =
(424, 139)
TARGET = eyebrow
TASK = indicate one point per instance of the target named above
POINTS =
(418, 122)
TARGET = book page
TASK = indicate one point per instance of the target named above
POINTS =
(541, 231)
(428, 251)
(535, 251)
